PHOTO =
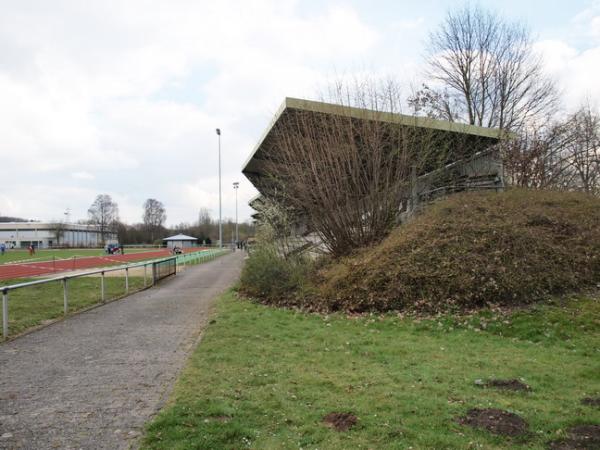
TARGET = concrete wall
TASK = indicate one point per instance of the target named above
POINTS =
(483, 171)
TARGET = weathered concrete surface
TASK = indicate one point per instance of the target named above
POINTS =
(93, 380)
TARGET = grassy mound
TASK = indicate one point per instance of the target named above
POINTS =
(475, 249)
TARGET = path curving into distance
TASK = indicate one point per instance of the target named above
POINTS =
(32, 269)
(93, 380)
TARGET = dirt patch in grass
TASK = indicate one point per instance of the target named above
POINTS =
(580, 437)
(340, 421)
(591, 401)
(509, 385)
(495, 421)
(220, 418)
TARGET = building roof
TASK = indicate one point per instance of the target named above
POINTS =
(49, 226)
(253, 167)
(180, 237)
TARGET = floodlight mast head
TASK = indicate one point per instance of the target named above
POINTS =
(218, 132)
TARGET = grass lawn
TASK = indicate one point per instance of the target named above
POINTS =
(34, 305)
(264, 378)
(45, 255)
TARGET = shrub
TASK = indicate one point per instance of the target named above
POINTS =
(269, 277)
(471, 250)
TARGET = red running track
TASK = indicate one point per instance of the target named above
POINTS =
(63, 265)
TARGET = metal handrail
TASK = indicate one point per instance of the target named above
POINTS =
(64, 278)
(83, 274)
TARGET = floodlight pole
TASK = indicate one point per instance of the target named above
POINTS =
(236, 186)
(220, 220)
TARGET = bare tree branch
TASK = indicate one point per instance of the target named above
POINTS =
(487, 72)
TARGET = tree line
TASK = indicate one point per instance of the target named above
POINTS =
(104, 214)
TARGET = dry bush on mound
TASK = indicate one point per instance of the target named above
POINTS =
(474, 249)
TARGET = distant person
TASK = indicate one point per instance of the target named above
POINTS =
(2, 249)
(30, 248)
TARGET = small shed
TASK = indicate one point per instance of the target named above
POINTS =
(181, 241)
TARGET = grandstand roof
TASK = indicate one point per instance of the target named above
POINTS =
(180, 237)
(480, 137)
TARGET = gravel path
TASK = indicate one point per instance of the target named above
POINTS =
(93, 380)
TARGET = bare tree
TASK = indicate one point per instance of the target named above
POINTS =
(484, 73)
(583, 150)
(104, 213)
(277, 225)
(154, 216)
(535, 158)
(347, 176)
(206, 225)
(59, 231)
(437, 104)
(564, 154)
(204, 217)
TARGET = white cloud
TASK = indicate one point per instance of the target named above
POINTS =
(587, 22)
(83, 176)
(574, 59)
(576, 71)
(409, 24)
(123, 97)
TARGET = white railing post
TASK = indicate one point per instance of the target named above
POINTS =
(66, 296)
(126, 280)
(5, 313)
(102, 287)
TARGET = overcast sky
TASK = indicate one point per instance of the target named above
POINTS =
(123, 97)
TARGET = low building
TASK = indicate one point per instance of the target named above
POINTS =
(181, 241)
(48, 235)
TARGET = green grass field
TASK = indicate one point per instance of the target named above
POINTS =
(46, 255)
(32, 306)
(264, 378)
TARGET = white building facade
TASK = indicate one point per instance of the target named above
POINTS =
(48, 235)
